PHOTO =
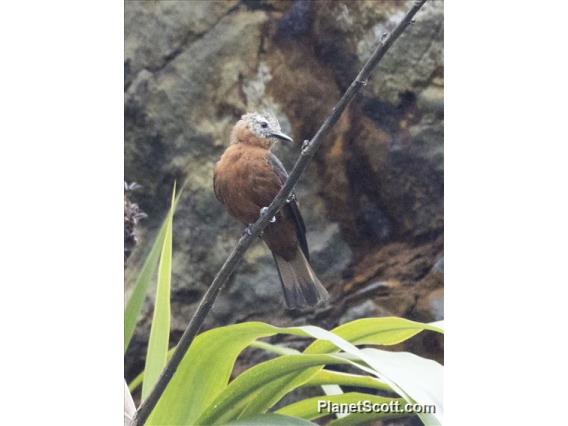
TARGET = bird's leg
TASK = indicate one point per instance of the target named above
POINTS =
(263, 213)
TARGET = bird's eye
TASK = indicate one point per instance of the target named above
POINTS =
(264, 125)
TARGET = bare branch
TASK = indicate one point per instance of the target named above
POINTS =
(308, 151)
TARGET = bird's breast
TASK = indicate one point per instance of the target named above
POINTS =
(240, 177)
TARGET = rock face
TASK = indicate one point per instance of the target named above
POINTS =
(372, 200)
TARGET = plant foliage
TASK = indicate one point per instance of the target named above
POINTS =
(201, 392)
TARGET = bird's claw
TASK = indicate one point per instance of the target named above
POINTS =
(306, 145)
(263, 212)
(248, 230)
(291, 198)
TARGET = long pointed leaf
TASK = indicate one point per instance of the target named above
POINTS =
(136, 300)
(373, 331)
(140, 288)
(157, 354)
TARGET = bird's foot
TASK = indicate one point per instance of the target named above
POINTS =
(248, 230)
(263, 212)
(306, 145)
(291, 198)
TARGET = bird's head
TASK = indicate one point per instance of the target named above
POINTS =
(258, 129)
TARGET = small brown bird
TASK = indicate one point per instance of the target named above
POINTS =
(246, 180)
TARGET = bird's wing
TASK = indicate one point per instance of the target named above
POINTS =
(291, 207)
(216, 187)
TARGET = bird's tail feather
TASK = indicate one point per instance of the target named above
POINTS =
(300, 284)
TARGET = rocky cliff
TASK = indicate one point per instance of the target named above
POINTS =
(373, 198)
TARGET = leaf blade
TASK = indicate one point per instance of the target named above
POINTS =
(373, 331)
(136, 300)
(158, 343)
(142, 283)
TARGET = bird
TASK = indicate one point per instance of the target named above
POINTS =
(246, 179)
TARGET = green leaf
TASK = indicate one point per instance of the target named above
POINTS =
(308, 408)
(327, 377)
(204, 372)
(235, 399)
(209, 361)
(272, 420)
(373, 331)
(136, 300)
(157, 353)
(140, 289)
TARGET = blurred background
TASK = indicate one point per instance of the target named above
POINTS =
(372, 199)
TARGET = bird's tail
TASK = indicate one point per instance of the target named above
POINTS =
(299, 282)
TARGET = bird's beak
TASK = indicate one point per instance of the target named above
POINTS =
(282, 136)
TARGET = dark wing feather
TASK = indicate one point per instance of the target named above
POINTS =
(216, 188)
(291, 207)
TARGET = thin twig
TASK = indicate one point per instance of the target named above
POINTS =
(308, 151)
